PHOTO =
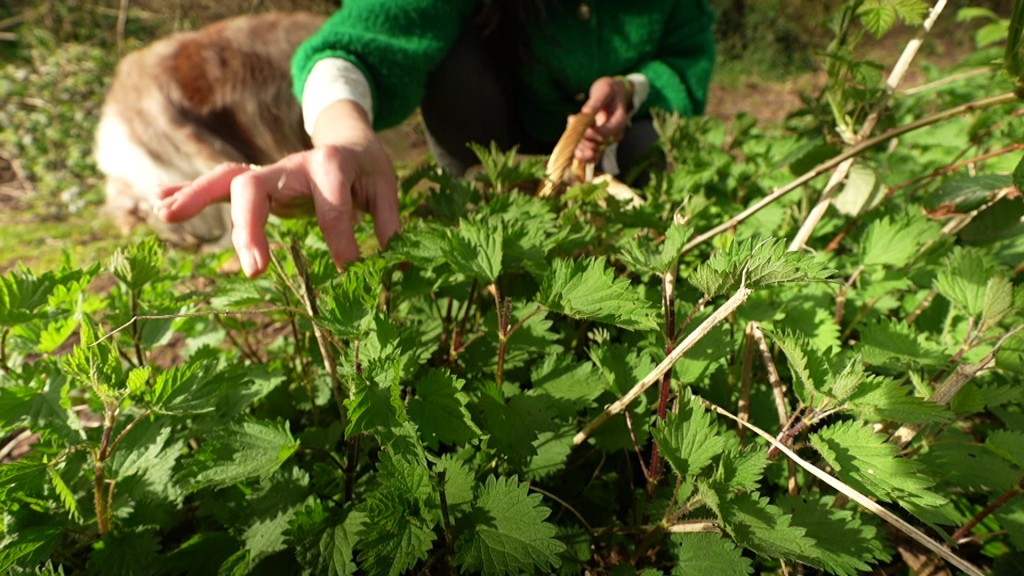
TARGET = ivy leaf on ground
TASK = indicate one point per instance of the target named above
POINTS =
(702, 554)
(239, 452)
(867, 462)
(760, 263)
(399, 519)
(439, 410)
(505, 532)
(689, 439)
(587, 289)
(844, 543)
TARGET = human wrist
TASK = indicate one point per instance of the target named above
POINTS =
(339, 121)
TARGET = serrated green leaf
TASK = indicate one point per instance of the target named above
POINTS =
(810, 370)
(458, 483)
(588, 290)
(325, 545)
(1018, 175)
(138, 264)
(689, 439)
(439, 410)
(67, 497)
(643, 253)
(889, 341)
(957, 458)
(475, 249)
(864, 460)
(505, 532)
(571, 386)
(399, 523)
(741, 470)
(23, 293)
(28, 547)
(964, 279)
(998, 301)
(895, 241)
(1008, 444)
(704, 554)
(880, 398)
(124, 553)
(962, 194)
(190, 388)
(759, 263)
(514, 426)
(844, 544)
(375, 407)
(764, 528)
(251, 449)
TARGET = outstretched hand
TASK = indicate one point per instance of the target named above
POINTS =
(347, 172)
(609, 103)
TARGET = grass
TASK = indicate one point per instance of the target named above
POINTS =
(41, 245)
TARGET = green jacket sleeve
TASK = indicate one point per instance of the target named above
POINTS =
(394, 42)
(682, 72)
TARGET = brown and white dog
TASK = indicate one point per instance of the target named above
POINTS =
(186, 103)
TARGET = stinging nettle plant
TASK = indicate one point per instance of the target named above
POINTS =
(799, 352)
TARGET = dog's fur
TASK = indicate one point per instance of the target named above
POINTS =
(184, 104)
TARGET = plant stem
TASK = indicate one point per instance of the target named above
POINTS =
(717, 317)
(668, 298)
(3, 349)
(992, 507)
(851, 152)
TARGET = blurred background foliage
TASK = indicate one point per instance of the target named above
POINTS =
(57, 58)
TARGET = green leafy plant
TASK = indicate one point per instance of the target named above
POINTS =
(750, 370)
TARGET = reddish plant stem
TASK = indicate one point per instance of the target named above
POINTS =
(668, 304)
(992, 507)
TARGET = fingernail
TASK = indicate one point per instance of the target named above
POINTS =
(248, 261)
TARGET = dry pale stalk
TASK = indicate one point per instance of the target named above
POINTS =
(561, 156)
(719, 315)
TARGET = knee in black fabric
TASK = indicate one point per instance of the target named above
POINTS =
(466, 100)
(639, 155)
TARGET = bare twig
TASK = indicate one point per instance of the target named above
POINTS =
(869, 504)
(719, 315)
(851, 152)
(206, 313)
(122, 21)
(985, 513)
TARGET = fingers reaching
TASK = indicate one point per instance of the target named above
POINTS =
(183, 201)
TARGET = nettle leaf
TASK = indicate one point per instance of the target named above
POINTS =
(375, 406)
(475, 249)
(879, 16)
(844, 544)
(1008, 444)
(570, 385)
(741, 469)
(67, 497)
(1018, 172)
(124, 553)
(587, 289)
(190, 388)
(866, 461)
(505, 532)
(252, 449)
(656, 256)
(764, 528)
(703, 554)
(808, 365)
(439, 410)
(458, 483)
(895, 241)
(515, 426)
(400, 520)
(23, 294)
(96, 365)
(891, 341)
(998, 302)
(964, 279)
(880, 398)
(325, 544)
(760, 263)
(28, 547)
(962, 463)
(347, 304)
(689, 439)
(138, 264)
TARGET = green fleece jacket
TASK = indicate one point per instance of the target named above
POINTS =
(396, 43)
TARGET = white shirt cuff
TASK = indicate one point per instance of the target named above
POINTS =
(641, 89)
(330, 80)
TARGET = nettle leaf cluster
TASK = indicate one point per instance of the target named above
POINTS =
(562, 385)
